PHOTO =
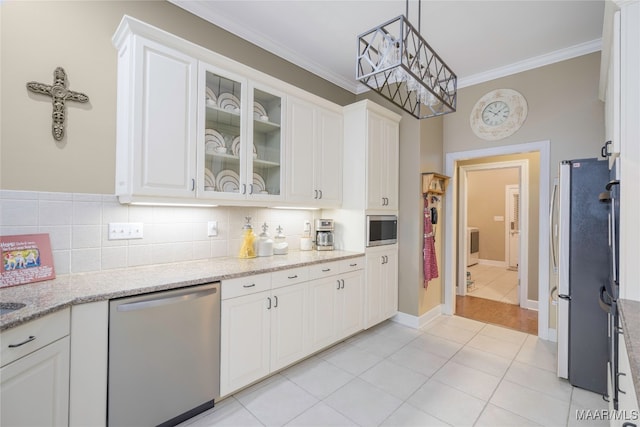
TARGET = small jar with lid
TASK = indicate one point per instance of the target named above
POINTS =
(280, 245)
(247, 249)
(265, 243)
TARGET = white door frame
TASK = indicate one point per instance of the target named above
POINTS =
(450, 244)
(523, 271)
(507, 226)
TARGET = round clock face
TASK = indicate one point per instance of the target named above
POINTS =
(495, 113)
(498, 114)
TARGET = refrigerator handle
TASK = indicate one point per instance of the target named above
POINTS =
(552, 230)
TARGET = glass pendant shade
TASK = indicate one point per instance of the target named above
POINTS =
(395, 61)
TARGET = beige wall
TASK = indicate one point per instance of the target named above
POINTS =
(563, 108)
(485, 200)
(37, 37)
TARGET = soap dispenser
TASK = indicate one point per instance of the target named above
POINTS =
(306, 244)
(280, 245)
(247, 250)
(265, 243)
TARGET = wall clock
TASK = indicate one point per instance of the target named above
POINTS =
(498, 114)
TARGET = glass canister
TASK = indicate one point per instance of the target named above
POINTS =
(247, 249)
(280, 245)
(265, 243)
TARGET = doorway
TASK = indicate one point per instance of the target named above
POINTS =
(453, 239)
(481, 207)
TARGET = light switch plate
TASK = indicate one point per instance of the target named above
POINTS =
(125, 230)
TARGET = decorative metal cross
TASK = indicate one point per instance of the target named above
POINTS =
(59, 94)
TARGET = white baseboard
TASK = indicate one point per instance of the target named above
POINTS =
(415, 321)
(531, 305)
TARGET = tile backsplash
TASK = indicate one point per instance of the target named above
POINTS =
(77, 225)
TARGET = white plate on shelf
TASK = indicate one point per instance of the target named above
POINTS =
(211, 97)
(212, 135)
(235, 146)
(258, 184)
(229, 102)
(259, 112)
(228, 181)
(209, 180)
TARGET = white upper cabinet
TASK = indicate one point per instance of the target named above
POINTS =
(371, 154)
(196, 127)
(239, 138)
(314, 159)
(382, 162)
(156, 126)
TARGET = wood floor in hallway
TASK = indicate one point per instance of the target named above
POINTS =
(497, 313)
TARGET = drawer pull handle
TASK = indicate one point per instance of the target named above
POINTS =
(326, 269)
(31, 338)
(353, 265)
(249, 286)
(292, 277)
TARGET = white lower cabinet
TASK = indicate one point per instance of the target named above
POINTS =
(261, 332)
(335, 307)
(271, 321)
(381, 284)
(627, 399)
(244, 341)
(34, 377)
(288, 325)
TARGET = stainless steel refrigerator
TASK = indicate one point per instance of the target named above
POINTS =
(583, 268)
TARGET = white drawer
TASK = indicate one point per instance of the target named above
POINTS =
(325, 269)
(289, 277)
(245, 285)
(352, 264)
(33, 335)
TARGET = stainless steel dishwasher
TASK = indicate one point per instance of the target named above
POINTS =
(164, 356)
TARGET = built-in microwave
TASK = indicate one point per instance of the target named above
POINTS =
(382, 230)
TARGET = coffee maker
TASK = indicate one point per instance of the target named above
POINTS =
(324, 234)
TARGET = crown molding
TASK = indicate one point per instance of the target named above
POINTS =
(201, 9)
(531, 63)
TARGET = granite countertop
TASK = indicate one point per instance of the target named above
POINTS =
(630, 318)
(42, 298)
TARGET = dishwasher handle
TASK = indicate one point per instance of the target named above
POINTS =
(166, 300)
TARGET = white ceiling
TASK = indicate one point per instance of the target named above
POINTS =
(479, 40)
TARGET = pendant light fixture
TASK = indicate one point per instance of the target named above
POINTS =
(395, 61)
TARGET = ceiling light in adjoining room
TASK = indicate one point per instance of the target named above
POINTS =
(395, 61)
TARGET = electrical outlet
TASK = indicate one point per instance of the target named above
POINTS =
(125, 230)
(212, 228)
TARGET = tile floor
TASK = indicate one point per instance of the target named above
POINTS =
(495, 283)
(453, 372)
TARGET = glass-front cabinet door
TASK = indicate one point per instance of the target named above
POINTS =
(221, 135)
(266, 150)
(239, 142)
